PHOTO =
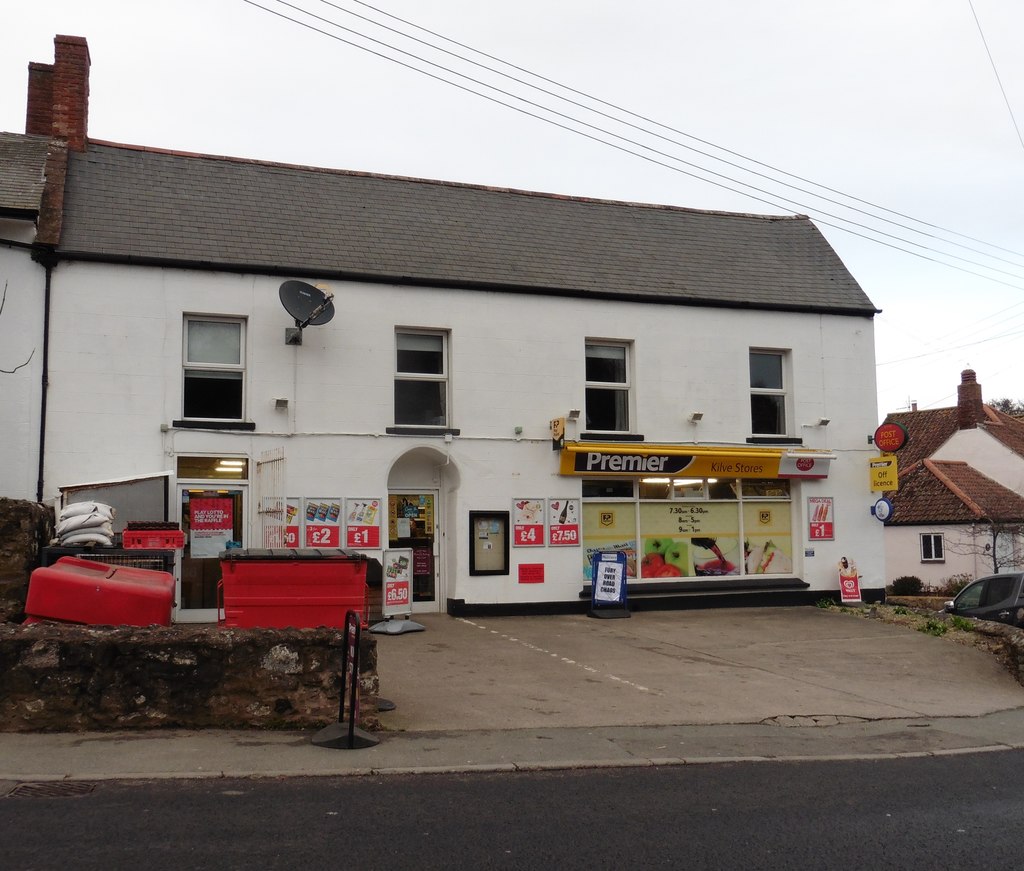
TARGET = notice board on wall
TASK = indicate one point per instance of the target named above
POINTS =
(488, 542)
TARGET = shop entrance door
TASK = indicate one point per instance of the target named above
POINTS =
(212, 520)
(412, 523)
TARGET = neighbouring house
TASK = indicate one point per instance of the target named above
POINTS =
(511, 382)
(959, 509)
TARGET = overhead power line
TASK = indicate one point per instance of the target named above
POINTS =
(759, 195)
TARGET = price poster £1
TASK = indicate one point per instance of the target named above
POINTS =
(362, 523)
(528, 522)
(323, 521)
(564, 522)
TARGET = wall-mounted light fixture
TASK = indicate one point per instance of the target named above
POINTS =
(824, 421)
(696, 416)
(574, 414)
(281, 403)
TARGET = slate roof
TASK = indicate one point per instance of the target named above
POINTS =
(124, 203)
(22, 164)
(951, 491)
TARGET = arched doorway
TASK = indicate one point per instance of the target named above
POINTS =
(421, 489)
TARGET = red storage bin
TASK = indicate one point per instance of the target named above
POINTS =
(300, 587)
(84, 591)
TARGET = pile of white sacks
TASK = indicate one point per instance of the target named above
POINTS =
(86, 523)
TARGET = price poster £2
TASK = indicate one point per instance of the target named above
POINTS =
(323, 521)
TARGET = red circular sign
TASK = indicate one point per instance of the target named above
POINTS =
(890, 437)
(805, 464)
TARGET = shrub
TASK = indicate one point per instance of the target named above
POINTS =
(962, 623)
(824, 603)
(908, 585)
(953, 584)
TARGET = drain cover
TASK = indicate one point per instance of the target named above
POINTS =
(52, 789)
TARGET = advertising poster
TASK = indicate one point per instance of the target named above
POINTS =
(685, 540)
(768, 541)
(820, 521)
(292, 521)
(362, 523)
(608, 526)
(564, 522)
(211, 525)
(397, 582)
(528, 522)
(323, 521)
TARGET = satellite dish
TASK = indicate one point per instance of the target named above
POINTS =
(310, 306)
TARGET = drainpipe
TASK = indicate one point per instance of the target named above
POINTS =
(48, 262)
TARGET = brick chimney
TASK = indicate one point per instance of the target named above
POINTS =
(969, 407)
(58, 93)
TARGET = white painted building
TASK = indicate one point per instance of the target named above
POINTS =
(714, 373)
(959, 509)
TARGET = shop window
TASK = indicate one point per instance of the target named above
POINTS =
(421, 378)
(767, 393)
(765, 488)
(607, 488)
(932, 548)
(607, 387)
(214, 369)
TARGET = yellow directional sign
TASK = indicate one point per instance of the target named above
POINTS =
(884, 475)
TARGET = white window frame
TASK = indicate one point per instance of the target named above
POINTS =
(442, 378)
(932, 537)
(625, 386)
(201, 366)
(782, 391)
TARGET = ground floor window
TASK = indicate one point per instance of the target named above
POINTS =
(690, 528)
(932, 550)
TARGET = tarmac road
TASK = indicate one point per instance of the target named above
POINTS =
(660, 688)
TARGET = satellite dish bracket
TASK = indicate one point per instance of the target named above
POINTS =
(307, 305)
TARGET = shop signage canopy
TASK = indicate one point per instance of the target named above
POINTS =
(622, 460)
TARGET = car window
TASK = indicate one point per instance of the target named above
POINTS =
(999, 589)
(970, 596)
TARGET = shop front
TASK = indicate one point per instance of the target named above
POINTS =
(698, 517)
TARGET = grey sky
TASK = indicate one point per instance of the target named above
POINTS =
(892, 101)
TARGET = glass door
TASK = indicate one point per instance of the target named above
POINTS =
(412, 523)
(212, 512)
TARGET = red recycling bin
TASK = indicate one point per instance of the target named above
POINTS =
(75, 590)
(300, 587)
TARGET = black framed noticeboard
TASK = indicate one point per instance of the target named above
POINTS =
(488, 542)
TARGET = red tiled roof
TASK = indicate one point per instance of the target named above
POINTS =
(927, 431)
(951, 491)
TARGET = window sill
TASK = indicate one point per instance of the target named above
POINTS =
(774, 440)
(611, 437)
(422, 430)
(244, 425)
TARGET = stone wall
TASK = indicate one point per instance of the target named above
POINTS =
(25, 528)
(60, 677)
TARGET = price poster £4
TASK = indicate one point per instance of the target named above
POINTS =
(564, 522)
(528, 522)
